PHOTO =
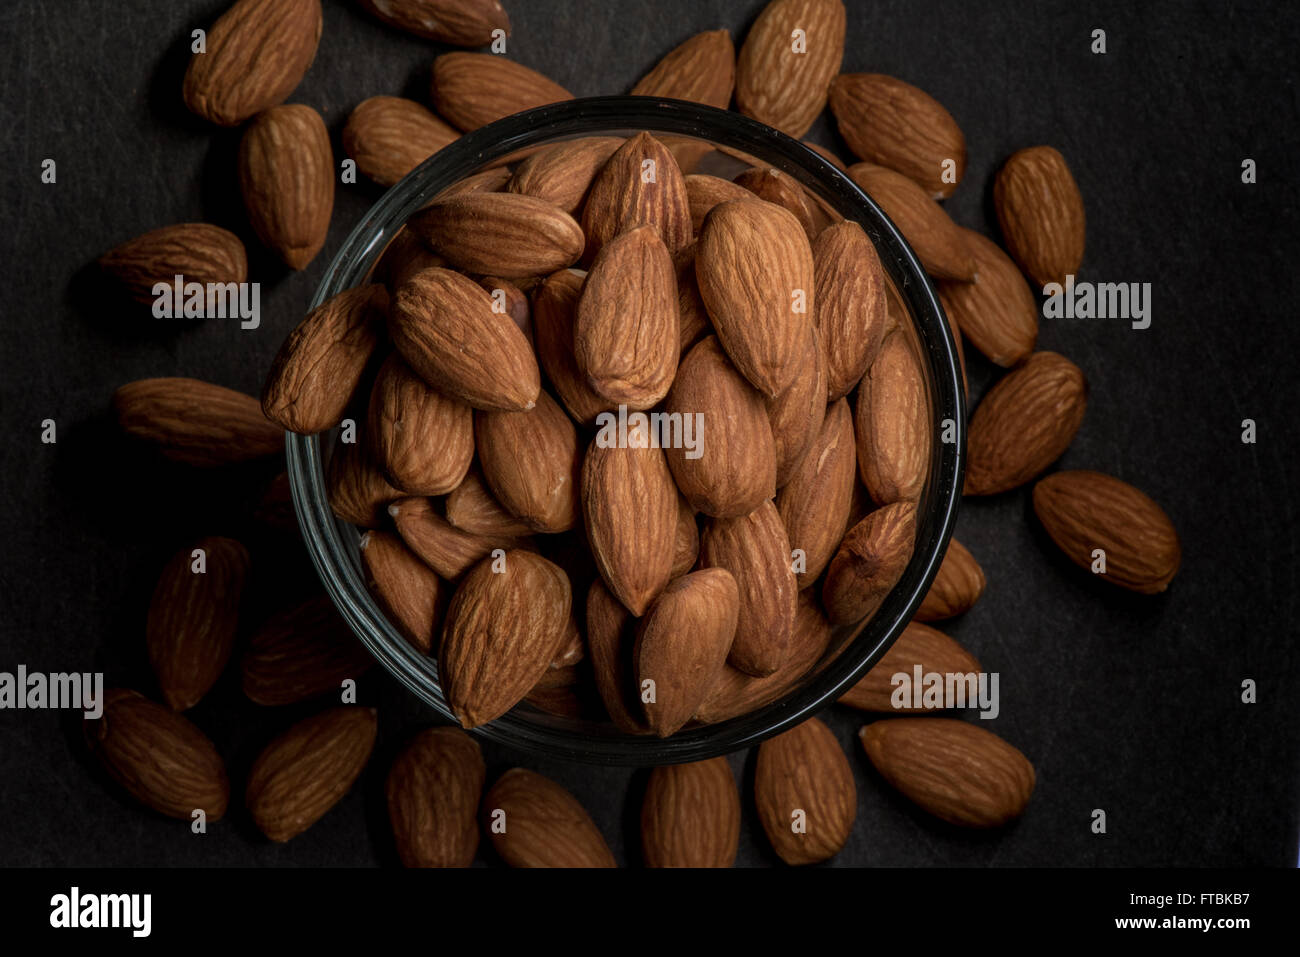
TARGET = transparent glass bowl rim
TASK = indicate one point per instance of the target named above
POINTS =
(335, 556)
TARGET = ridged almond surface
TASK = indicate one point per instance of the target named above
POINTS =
(555, 307)
(779, 86)
(357, 489)
(703, 192)
(953, 769)
(472, 508)
(804, 791)
(690, 815)
(1084, 511)
(448, 550)
(998, 312)
(407, 590)
(423, 440)
(300, 653)
(814, 504)
(500, 234)
(533, 822)
(611, 640)
(640, 185)
(474, 89)
(852, 312)
(388, 136)
(796, 414)
(937, 241)
(562, 173)
(196, 422)
(869, 563)
(693, 317)
(197, 252)
(956, 587)
(776, 187)
(1041, 214)
(702, 70)
(462, 23)
(532, 463)
(920, 645)
(433, 791)
(686, 542)
(892, 423)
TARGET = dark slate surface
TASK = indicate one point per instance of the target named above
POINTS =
(1123, 703)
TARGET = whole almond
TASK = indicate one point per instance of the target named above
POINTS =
(301, 653)
(787, 61)
(955, 770)
(163, 760)
(937, 241)
(756, 550)
(814, 504)
(804, 791)
(733, 470)
(894, 124)
(919, 645)
(852, 312)
(433, 791)
(778, 188)
(533, 822)
(388, 136)
(690, 815)
(500, 234)
(444, 326)
(555, 306)
(423, 441)
(796, 414)
(1041, 214)
(318, 367)
(611, 640)
(357, 490)
(682, 644)
(1085, 512)
(563, 172)
(475, 89)
(693, 317)
(1024, 423)
(255, 55)
(196, 422)
(532, 463)
(503, 626)
(956, 587)
(869, 563)
(755, 270)
(998, 312)
(462, 23)
(702, 70)
(471, 508)
(448, 550)
(304, 772)
(408, 591)
(193, 618)
(686, 543)
(892, 422)
(703, 192)
(640, 185)
(197, 252)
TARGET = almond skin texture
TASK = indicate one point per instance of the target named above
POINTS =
(474, 89)
(894, 124)
(796, 414)
(869, 563)
(1084, 511)
(163, 760)
(852, 313)
(301, 653)
(196, 422)
(423, 441)
(630, 507)
(776, 187)
(640, 185)
(358, 491)
(755, 267)
(531, 462)
(998, 312)
(702, 70)
(408, 592)
(956, 587)
(627, 338)
(1041, 214)
(682, 644)
(778, 86)
(694, 322)
(317, 369)
(703, 192)
(402, 258)
(555, 305)
(756, 550)
(304, 772)
(533, 822)
(735, 469)
(445, 328)
(690, 816)
(814, 505)
(389, 136)
(686, 543)
(472, 508)
(194, 617)
(257, 52)
(802, 778)
(611, 639)
(955, 770)
(918, 645)
(198, 252)
(892, 423)
(1024, 424)
(462, 23)
(433, 790)
(500, 234)
(937, 241)
(562, 173)
(446, 549)
(502, 631)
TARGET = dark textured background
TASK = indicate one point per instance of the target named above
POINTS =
(1124, 703)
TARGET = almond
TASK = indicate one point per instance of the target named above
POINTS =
(690, 816)
(300, 653)
(163, 760)
(804, 791)
(611, 639)
(682, 644)
(555, 305)
(423, 441)
(318, 367)
(1085, 512)
(475, 89)
(503, 626)
(1041, 214)
(755, 271)
(389, 136)
(938, 242)
(956, 587)
(640, 185)
(756, 550)
(892, 423)
(693, 318)
(446, 549)
(471, 508)
(408, 592)
(256, 54)
(197, 252)
(894, 124)
(686, 543)
(433, 790)
(444, 326)
(703, 192)
(304, 772)
(918, 645)
(998, 312)
(814, 504)
(357, 490)
(1024, 424)
(563, 172)
(869, 563)
(512, 300)
(195, 422)
(462, 23)
(403, 257)
(955, 770)
(702, 70)
(779, 189)
(787, 61)
(534, 822)
(193, 618)
(796, 414)
(852, 313)
(531, 462)
(500, 234)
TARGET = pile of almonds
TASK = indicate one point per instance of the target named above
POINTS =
(501, 321)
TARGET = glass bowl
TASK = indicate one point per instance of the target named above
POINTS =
(333, 545)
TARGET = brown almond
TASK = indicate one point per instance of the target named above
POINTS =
(471, 508)
(462, 23)
(356, 487)
(686, 543)
(388, 136)
(892, 423)
(563, 172)
(998, 312)
(918, 646)
(852, 312)
(403, 257)
(814, 505)
(532, 463)
(433, 790)
(804, 792)
(690, 815)
(702, 70)
(500, 234)
(300, 653)
(196, 422)
(555, 305)
(693, 317)
(475, 89)
(1041, 214)
(423, 441)
(197, 252)
(533, 822)
(796, 414)
(407, 590)
(703, 192)
(611, 639)
(640, 185)
(937, 241)
(786, 64)
(778, 188)
(511, 300)
(957, 586)
(448, 550)
(869, 563)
